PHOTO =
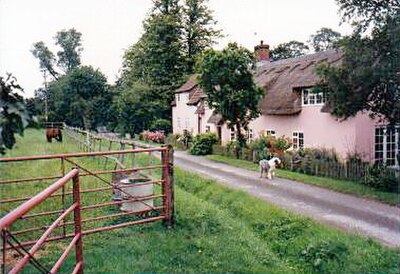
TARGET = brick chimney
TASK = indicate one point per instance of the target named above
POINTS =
(261, 52)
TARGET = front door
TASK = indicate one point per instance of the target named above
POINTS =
(219, 133)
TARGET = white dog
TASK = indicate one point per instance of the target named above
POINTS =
(269, 166)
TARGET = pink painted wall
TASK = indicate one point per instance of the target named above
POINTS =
(321, 130)
(188, 118)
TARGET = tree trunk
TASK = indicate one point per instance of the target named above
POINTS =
(240, 139)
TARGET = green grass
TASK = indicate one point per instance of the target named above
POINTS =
(343, 186)
(217, 230)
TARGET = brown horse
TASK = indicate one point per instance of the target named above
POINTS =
(53, 133)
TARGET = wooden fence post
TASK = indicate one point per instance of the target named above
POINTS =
(167, 158)
(77, 223)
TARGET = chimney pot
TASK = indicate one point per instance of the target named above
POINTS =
(261, 52)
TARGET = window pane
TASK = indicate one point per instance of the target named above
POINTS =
(305, 97)
(319, 98)
(311, 99)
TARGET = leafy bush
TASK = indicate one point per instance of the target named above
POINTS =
(261, 145)
(267, 146)
(382, 177)
(282, 143)
(203, 143)
(185, 139)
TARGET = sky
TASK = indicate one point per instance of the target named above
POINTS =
(109, 27)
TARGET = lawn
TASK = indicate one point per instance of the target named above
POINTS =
(217, 230)
(343, 186)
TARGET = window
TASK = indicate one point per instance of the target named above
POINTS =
(208, 128)
(233, 135)
(311, 98)
(298, 140)
(187, 123)
(270, 132)
(178, 122)
(387, 145)
(178, 97)
(250, 135)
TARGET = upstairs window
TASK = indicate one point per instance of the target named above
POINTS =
(177, 97)
(298, 140)
(309, 98)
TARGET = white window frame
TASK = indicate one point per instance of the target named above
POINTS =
(232, 134)
(298, 139)
(178, 122)
(250, 135)
(208, 128)
(270, 132)
(187, 123)
(389, 145)
(309, 98)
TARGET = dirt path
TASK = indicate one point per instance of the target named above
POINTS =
(369, 218)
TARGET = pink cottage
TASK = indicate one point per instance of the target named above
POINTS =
(289, 108)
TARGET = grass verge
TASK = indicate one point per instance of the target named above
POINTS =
(343, 186)
(217, 230)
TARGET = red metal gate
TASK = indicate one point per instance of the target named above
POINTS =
(161, 209)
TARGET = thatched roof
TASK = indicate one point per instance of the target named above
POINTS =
(196, 95)
(281, 80)
(215, 119)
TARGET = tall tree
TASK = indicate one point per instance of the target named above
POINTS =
(156, 60)
(81, 98)
(133, 114)
(369, 76)
(46, 58)
(324, 39)
(227, 79)
(68, 56)
(199, 30)
(13, 115)
(363, 13)
(289, 50)
(71, 48)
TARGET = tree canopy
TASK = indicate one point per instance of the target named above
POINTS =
(174, 34)
(289, 50)
(81, 98)
(68, 57)
(13, 115)
(369, 76)
(227, 79)
(324, 39)
(198, 30)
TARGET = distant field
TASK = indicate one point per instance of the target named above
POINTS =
(217, 230)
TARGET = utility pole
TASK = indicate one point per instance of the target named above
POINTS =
(45, 96)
